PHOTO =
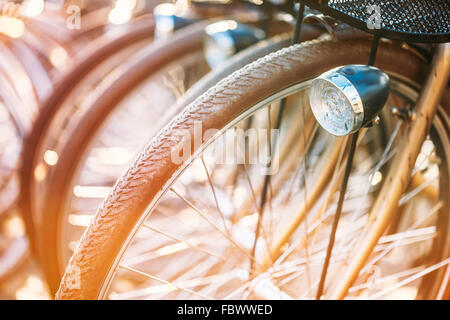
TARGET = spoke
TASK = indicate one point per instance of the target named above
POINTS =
(237, 291)
(300, 166)
(186, 282)
(288, 159)
(167, 249)
(317, 258)
(385, 279)
(313, 287)
(434, 210)
(250, 185)
(412, 278)
(188, 244)
(335, 181)
(201, 276)
(337, 216)
(397, 238)
(291, 274)
(444, 284)
(430, 191)
(319, 216)
(204, 216)
(292, 220)
(270, 151)
(387, 154)
(265, 288)
(170, 285)
(289, 163)
(408, 196)
(418, 167)
(162, 209)
(157, 291)
(255, 201)
(232, 178)
(409, 237)
(305, 199)
(297, 268)
(214, 194)
(174, 80)
(201, 270)
(263, 198)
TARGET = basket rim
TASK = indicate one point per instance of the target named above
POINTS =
(414, 37)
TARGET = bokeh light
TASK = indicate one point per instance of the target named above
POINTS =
(32, 8)
(12, 27)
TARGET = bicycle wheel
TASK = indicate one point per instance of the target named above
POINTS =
(153, 236)
(72, 210)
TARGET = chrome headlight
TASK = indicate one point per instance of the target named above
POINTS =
(347, 98)
(169, 17)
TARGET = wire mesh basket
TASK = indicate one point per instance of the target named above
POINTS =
(406, 20)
